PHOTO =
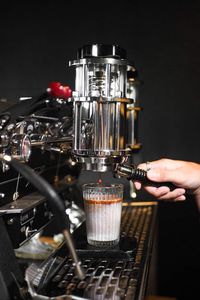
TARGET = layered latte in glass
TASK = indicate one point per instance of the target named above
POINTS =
(103, 204)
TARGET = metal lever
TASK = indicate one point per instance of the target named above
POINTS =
(140, 175)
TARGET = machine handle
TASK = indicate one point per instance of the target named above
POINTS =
(140, 175)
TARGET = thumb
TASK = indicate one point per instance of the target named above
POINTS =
(163, 175)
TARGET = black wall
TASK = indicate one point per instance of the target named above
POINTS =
(38, 38)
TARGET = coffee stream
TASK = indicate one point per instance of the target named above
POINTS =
(100, 182)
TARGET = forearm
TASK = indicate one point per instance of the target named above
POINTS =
(197, 197)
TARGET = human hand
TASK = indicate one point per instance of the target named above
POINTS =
(182, 174)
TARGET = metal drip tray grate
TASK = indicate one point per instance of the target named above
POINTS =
(113, 273)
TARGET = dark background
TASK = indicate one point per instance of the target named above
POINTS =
(162, 38)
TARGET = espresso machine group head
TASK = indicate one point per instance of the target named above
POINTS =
(100, 107)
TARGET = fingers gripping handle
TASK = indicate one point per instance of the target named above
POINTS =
(140, 175)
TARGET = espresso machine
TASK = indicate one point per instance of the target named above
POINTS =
(94, 129)
(104, 139)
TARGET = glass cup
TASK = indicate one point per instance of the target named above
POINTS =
(103, 205)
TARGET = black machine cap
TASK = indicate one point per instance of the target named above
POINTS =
(101, 50)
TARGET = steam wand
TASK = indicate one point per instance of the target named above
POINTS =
(56, 203)
(134, 174)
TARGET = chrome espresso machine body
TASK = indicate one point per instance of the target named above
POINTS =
(103, 108)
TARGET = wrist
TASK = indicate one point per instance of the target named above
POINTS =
(196, 193)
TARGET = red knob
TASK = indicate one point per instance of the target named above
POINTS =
(55, 89)
(67, 92)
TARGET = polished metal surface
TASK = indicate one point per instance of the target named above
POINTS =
(101, 107)
(101, 50)
(100, 164)
(100, 77)
(132, 109)
(100, 128)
